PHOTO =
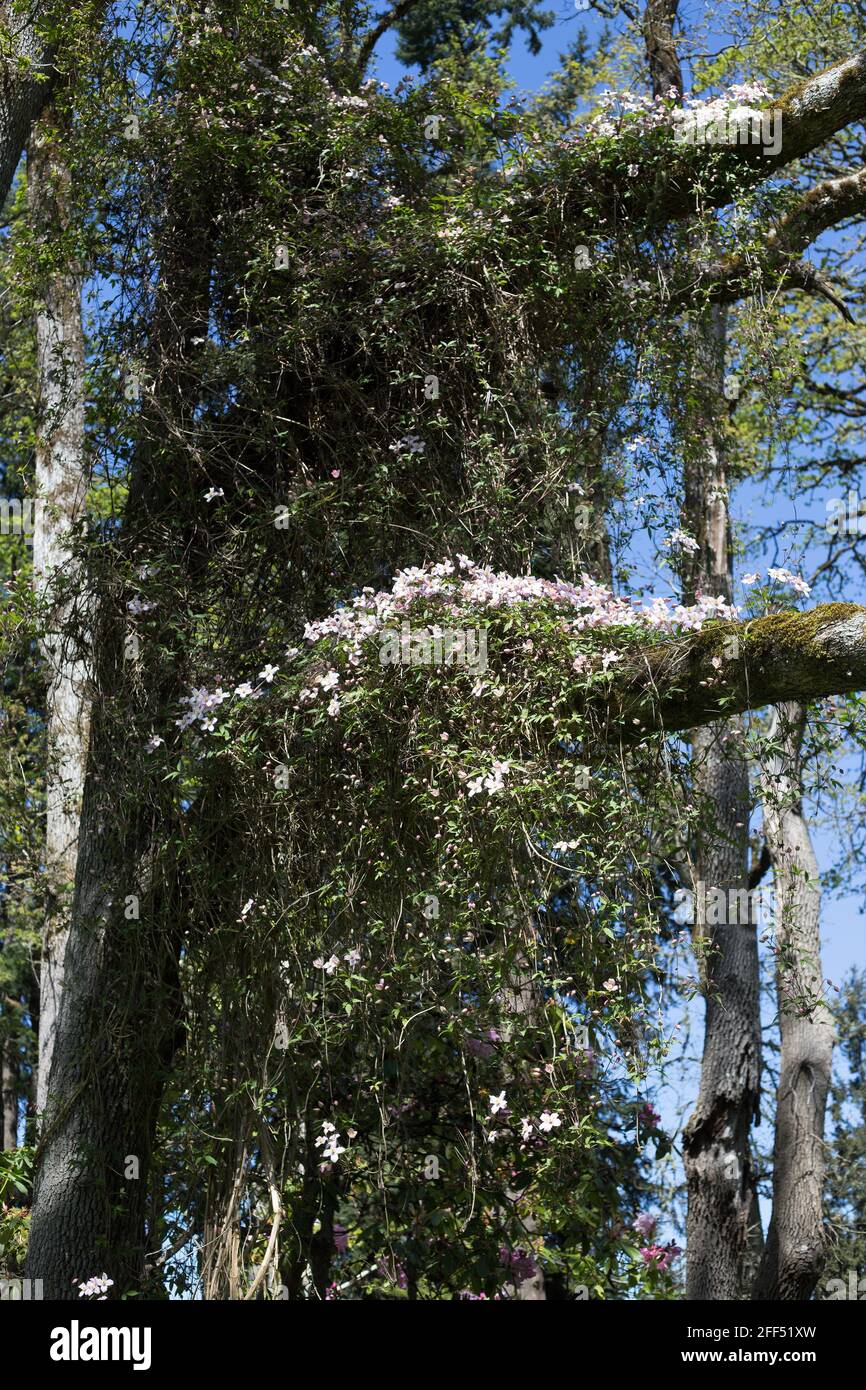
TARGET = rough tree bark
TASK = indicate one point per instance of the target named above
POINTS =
(659, 17)
(716, 1146)
(113, 1043)
(61, 485)
(9, 1093)
(716, 1140)
(118, 1025)
(695, 679)
(794, 1253)
(26, 79)
(721, 1194)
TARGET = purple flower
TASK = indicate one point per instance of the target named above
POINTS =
(520, 1263)
(660, 1256)
(644, 1225)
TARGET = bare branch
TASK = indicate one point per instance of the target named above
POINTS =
(386, 22)
(760, 868)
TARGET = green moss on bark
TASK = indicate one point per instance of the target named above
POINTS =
(793, 633)
(782, 633)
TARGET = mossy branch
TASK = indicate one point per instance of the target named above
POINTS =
(727, 668)
(700, 177)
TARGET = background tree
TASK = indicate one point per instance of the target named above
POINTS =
(846, 1209)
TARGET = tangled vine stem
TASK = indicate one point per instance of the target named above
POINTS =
(728, 668)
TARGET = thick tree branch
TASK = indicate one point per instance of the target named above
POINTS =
(802, 275)
(816, 109)
(695, 178)
(826, 205)
(699, 177)
(734, 279)
(696, 679)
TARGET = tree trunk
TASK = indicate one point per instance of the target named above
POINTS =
(794, 1254)
(118, 1024)
(115, 1028)
(9, 1093)
(716, 1141)
(722, 1207)
(661, 50)
(718, 1168)
(23, 90)
(61, 485)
